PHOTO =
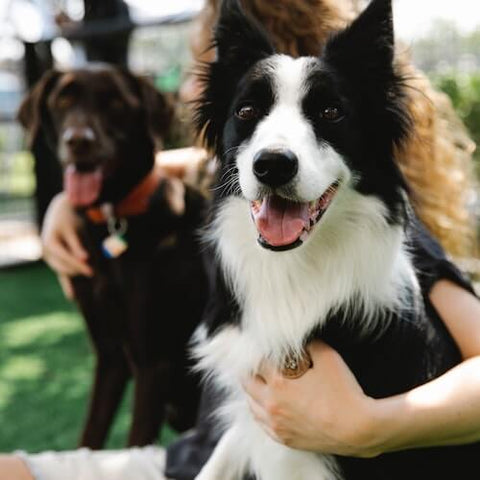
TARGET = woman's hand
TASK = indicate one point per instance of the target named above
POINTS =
(324, 410)
(62, 249)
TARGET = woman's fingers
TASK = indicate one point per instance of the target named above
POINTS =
(64, 262)
(77, 255)
(67, 287)
(258, 411)
(267, 372)
(75, 246)
(255, 387)
(262, 418)
(60, 266)
(62, 247)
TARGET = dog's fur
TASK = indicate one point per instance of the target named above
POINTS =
(141, 307)
(348, 278)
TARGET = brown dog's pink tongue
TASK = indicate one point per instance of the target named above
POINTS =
(280, 221)
(82, 188)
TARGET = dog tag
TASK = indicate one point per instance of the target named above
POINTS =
(296, 367)
(114, 245)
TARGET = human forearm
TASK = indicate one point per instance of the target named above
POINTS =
(445, 411)
(326, 410)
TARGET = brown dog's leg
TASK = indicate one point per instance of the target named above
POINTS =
(103, 316)
(111, 377)
(151, 385)
(146, 344)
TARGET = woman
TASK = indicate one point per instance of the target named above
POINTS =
(442, 412)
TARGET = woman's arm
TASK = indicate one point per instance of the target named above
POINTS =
(445, 411)
(460, 311)
(326, 410)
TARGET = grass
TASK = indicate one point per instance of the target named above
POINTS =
(45, 367)
(19, 179)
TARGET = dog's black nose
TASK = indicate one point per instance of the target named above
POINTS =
(79, 139)
(275, 167)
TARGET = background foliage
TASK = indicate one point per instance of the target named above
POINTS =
(464, 90)
(451, 58)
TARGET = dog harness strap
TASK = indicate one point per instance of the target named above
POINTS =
(135, 203)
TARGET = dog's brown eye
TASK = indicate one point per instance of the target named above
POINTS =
(332, 114)
(64, 102)
(247, 112)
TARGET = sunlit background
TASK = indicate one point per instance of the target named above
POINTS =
(45, 359)
(442, 35)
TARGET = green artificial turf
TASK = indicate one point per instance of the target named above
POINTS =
(45, 366)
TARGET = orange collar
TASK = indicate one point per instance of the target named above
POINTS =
(135, 203)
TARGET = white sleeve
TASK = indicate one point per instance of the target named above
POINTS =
(146, 463)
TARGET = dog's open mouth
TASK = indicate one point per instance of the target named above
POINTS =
(284, 224)
(82, 187)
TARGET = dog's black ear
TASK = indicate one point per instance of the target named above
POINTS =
(240, 42)
(32, 111)
(364, 55)
(159, 110)
(364, 52)
(239, 39)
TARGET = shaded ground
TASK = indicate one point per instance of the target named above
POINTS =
(45, 366)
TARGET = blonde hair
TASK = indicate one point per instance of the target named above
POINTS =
(437, 163)
(295, 27)
(436, 160)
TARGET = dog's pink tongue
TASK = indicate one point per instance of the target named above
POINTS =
(82, 188)
(280, 221)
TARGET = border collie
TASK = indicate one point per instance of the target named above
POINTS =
(309, 229)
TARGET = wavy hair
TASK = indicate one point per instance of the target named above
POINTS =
(436, 160)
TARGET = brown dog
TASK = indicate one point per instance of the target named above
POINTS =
(139, 227)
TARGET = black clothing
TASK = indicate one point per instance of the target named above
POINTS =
(187, 455)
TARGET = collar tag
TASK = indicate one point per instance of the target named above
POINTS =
(115, 244)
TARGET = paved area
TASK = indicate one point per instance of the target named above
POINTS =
(19, 243)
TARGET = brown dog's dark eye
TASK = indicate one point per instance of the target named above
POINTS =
(247, 112)
(331, 114)
(65, 101)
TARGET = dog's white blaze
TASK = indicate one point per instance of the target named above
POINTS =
(286, 125)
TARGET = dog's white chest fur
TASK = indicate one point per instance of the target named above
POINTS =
(354, 259)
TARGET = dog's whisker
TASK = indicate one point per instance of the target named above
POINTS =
(232, 178)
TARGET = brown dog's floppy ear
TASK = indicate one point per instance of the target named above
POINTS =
(32, 107)
(159, 110)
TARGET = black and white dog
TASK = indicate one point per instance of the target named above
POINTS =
(309, 229)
